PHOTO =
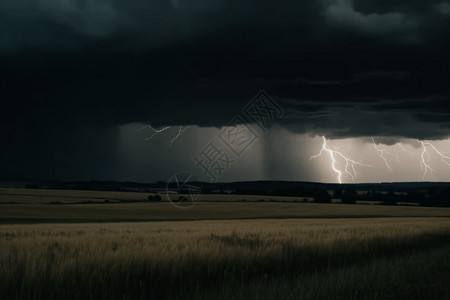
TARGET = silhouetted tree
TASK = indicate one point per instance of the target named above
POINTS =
(337, 194)
(441, 198)
(432, 193)
(415, 196)
(444, 197)
(349, 196)
(390, 198)
(321, 196)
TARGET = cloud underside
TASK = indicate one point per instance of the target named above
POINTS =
(338, 68)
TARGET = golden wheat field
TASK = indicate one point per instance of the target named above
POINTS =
(115, 245)
(376, 258)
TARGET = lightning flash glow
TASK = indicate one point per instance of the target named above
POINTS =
(181, 131)
(384, 154)
(406, 160)
(425, 152)
(155, 131)
(336, 156)
(425, 156)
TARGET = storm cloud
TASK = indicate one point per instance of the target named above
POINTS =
(339, 68)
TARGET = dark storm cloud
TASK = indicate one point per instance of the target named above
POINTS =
(389, 6)
(340, 68)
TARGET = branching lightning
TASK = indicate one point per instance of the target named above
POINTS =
(423, 164)
(181, 130)
(425, 153)
(426, 148)
(155, 131)
(335, 155)
(383, 155)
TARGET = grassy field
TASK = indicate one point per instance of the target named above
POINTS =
(38, 206)
(248, 259)
(219, 249)
(43, 196)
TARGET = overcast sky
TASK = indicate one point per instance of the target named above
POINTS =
(79, 78)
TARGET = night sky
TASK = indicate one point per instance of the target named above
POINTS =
(80, 80)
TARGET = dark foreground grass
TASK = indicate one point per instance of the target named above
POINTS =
(415, 276)
(392, 258)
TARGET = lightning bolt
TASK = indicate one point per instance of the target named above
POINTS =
(425, 151)
(383, 156)
(335, 155)
(181, 130)
(155, 131)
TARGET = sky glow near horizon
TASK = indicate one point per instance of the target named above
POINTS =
(404, 161)
(282, 155)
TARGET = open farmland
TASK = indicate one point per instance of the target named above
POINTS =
(222, 248)
(284, 259)
(41, 206)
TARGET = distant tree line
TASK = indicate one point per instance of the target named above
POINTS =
(423, 197)
(428, 197)
(439, 197)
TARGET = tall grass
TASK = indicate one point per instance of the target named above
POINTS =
(414, 276)
(183, 259)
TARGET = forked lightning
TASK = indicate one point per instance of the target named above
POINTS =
(181, 130)
(424, 160)
(335, 155)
